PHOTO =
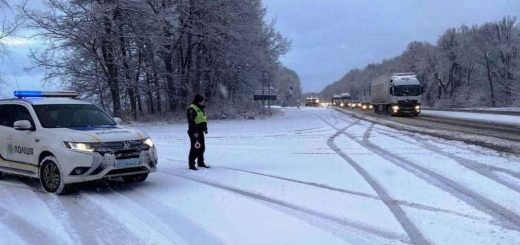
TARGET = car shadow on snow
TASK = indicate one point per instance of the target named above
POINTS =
(99, 186)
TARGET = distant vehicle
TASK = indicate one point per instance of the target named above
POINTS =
(312, 101)
(345, 99)
(365, 106)
(397, 94)
(60, 140)
(354, 104)
(336, 100)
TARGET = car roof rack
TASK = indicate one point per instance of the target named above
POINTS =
(45, 94)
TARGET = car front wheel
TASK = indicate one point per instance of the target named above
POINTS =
(51, 178)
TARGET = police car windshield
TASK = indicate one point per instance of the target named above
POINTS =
(72, 116)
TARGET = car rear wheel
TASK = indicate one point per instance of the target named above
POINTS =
(135, 178)
(51, 177)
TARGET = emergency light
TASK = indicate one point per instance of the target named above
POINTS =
(45, 94)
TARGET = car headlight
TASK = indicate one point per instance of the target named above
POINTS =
(317, 101)
(417, 107)
(395, 108)
(148, 142)
(342, 104)
(371, 106)
(87, 147)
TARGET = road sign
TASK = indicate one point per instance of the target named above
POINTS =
(268, 94)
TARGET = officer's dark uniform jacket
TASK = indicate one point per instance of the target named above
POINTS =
(193, 127)
(198, 125)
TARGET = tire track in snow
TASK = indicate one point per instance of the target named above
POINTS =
(54, 207)
(335, 119)
(509, 219)
(181, 225)
(482, 169)
(9, 237)
(32, 206)
(356, 225)
(317, 185)
(89, 217)
(361, 194)
(510, 172)
(307, 130)
(413, 232)
(25, 229)
(131, 219)
(11, 181)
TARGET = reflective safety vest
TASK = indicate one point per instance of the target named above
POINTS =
(201, 117)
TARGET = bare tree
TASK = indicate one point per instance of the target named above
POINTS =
(468, 66)
(148, 57)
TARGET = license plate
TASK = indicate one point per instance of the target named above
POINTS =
(125, 163)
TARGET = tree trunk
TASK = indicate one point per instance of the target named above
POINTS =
(491, 87)
(149, 93)
(198, 70)
(107, 50)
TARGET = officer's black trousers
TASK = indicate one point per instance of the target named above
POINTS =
(194, 152)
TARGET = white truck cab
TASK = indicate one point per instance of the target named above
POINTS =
(397, 94)
(61, 140)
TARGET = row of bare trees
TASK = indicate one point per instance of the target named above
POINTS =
(469, 66)
(141, 57)
(8, 27)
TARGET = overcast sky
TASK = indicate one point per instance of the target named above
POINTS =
(329, 37)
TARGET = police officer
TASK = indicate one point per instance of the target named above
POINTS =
(198, 126)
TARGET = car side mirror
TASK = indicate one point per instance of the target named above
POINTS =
(118, 120)
(392, 90)
(23, 125)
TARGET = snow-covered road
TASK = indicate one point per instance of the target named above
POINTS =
(311, 176)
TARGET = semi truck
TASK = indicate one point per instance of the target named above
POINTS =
(396, 94)
(312, 101)
(336, 100)
(345, 99)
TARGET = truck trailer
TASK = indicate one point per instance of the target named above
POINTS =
(396, 94)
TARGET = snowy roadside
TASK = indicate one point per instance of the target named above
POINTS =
(478, 117)
(513, 111)
(179, 118)
(498, 144)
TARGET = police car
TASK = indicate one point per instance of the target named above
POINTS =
(61, 140)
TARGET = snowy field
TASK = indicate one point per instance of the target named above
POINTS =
(311, 176)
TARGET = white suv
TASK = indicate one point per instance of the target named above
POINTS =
(61, 140)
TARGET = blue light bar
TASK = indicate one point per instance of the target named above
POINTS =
(45, 94)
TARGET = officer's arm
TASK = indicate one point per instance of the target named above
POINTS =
(191, 114)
